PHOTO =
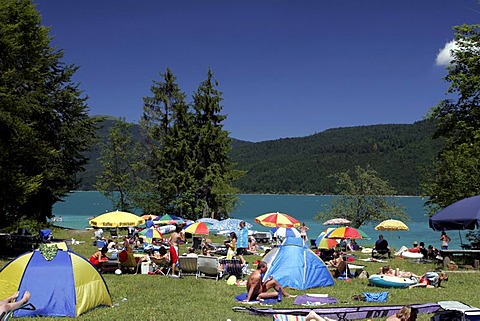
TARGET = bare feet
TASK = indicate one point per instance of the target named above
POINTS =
(26, 297)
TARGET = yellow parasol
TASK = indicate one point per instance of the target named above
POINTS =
(391, 225)
(116, 219)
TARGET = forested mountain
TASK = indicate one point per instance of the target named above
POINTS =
(399, 153)
(304, 165)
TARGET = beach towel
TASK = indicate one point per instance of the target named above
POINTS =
(286, 317)
(372, 260)
(376, 296)
(243, 296)
(312, 299)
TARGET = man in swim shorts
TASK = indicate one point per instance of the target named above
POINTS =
(257, 289)
(175, 238)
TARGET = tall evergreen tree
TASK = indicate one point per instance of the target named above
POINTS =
(456, 170)
(119, 156)
(213, 170)
(164, 122)
(44, 126)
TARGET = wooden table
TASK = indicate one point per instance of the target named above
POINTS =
(465, 256)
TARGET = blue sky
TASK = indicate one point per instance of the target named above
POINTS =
(286, 68)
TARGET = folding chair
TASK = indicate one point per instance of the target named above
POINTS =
(383, 253)
(128, 262)
(232, 267)
(161, 266)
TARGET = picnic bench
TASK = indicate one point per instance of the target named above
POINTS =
(463, 257)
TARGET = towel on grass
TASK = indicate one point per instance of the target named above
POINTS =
(243, 296)
(314, 300)
(376, 296)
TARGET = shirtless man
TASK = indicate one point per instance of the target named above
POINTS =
(258, 290)
(175, 237)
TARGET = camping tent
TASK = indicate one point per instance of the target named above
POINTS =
(294, 265)
(61, 284)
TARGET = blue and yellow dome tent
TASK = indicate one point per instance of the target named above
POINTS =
(294, 265)
(61, 284)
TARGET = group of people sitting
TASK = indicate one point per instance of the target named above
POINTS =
(381, 247)
(125, 250)
(430, 253)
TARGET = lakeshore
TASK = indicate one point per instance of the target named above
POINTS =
(79, 207)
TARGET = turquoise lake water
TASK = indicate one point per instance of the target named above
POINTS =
(78, 207)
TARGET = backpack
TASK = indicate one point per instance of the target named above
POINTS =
(361, 274)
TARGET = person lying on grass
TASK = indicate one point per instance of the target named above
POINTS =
(430, 280)
(259, 290)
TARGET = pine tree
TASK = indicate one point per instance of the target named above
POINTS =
(119, 156)
(213, 169)
(44, 124)
(165, 124)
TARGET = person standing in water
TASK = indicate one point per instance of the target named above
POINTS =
(445, 240)
(303, 231)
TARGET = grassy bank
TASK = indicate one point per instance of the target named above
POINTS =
(154, 297)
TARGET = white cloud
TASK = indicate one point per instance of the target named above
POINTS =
(444, 56)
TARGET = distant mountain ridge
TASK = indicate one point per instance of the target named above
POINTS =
(304, 165)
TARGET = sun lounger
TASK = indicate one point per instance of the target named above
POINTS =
(187, 265)
(342, 313)
(208, 266)
(463, 311)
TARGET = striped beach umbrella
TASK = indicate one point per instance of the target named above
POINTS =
(347, 233)
(337, 221)
(149, 216)
(169, 219)
(277, 220)
(197, 228)
(151, 233)
(322, 242)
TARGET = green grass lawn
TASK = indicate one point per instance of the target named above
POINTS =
(155, 297)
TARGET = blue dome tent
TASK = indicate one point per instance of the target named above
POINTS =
(294, 265)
